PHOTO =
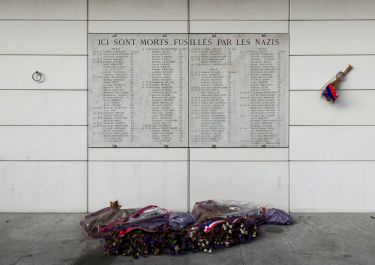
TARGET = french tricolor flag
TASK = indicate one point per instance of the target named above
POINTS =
(330, 93)
(210, 227)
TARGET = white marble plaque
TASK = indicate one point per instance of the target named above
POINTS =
(237, 94)
(138, 90)
(238, 89)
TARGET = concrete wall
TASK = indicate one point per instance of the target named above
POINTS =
(46, 165)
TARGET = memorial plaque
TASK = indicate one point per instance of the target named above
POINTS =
(238, 90)
(237, 94)
(138, 90)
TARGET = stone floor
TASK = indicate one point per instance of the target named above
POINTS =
(321, 239)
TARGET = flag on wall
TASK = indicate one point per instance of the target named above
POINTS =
(330, 91)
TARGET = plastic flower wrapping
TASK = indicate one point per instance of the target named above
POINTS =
(94, 222)
(152, 230)
(214, 208)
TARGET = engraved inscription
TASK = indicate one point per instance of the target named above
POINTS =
(238, 90)
(188, 90)
(138, 90)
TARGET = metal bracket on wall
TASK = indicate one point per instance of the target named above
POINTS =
(38, 77)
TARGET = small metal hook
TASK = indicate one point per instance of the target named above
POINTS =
(37, 77)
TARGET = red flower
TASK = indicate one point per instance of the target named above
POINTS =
(122, 233)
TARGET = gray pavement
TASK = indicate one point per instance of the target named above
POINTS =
(316, 239)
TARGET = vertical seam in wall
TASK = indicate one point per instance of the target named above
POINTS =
(87, 105)
(188, 107)
(289, 178)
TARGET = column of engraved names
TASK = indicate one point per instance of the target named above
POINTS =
(113, 108)
(211, 94)
(161, 91)
(167, 94)
(265, 97)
